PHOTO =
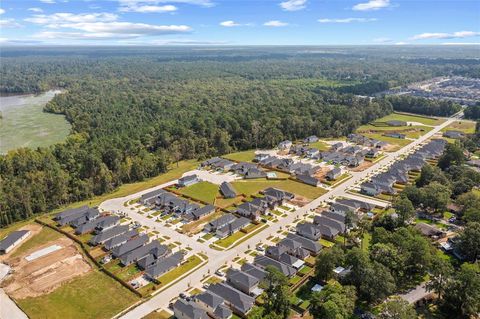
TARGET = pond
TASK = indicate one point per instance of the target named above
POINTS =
(24, 124)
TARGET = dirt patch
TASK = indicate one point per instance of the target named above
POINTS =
(320, 174)
(361, 167)
(300, 201)
(44, 274)
(391, 147)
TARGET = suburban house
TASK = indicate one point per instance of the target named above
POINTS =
(148, 199)
(97, 224)
(120, 239)
(311, 139)
(284, 144)
(79, 217)
(332, 223)
(260, 157)
(372, 153)
(240, 302)
(213, 305)
(254, 271)
(227, 190)
(188, 180)
(395, 135)
(107, 234)
(293, 247)
(183, 309)
(430, 231)
(244, 282)
(13, 240)
(70, 212)
(154, 248)
(223, 165)
(252, 209)
(163, 265)
(453, 134)
(396, 123)
(336, 146)
(230, 228)
(334, 173)
(219, 222)
(313, 246)
(356, 204)
(129, 245)
(307, 179)
(277, 196)
(264, 261)
(291, 261)
(308, 230)
(199, 213)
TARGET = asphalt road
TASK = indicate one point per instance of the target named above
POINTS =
(216, 258)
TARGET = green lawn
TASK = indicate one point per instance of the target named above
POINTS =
(204, 191)
(163, 314)
(326, 243)
(252, 187)
(229, 240)
(320, 145)
(245, 156)
(467, 127)
(94, 295)
(178, 272)
(43, 237)
(411, 118)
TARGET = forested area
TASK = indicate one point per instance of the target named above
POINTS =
(419, 105)
(133, 112)
(472, 112)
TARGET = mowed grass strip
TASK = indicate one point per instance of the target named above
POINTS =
(94, 295)
(177, 273)
(204, 191)
(252, 187)
(44, 236)
(411, 118)
(245, 156)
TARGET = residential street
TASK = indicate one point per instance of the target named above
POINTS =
(217, 258)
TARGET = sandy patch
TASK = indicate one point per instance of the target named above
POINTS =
(299, 201)
(44, 274)
(361, 167)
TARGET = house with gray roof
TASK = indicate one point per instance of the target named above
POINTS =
(334, 173)
(107, 234)
(311, 139)
(251, 209)
(260, 157)
(12, 240)
(146, 199)
(208, 301)
(356, 204)
(153, 248)
(210, 161)
(91, 225)
(222, 312)
(254, 172)
(223, 165)
(199, 213)
(332, 223)
(453, 134)
(164, 265)
(254, 271)
(307, 179)
(227, 190)
(396, 123)
(107, 223)
(240, 302)
(219, 222)
(183, 309)
(129, 245)
(243, 281)
(79, 217)
(232, 227)
(70, 212)
(291, 261)
(284, 144)
(308, 230)
(395, 135)
(188, 180)
(264, 262)
(313, 246)
(120, 239)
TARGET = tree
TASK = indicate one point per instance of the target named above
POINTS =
(277, 299)
(470, 203)
(440, 273)
(326, 261)
(453, 155)
(469, 241)
(334, 301)
(396, 308)
(436, 196)
(430, 174)
(462, 295)
(404, 208)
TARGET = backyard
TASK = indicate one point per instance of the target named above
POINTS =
(203, 191)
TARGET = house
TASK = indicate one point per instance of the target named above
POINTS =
(284, 145)
(254, 172)
(334, 173)
(260, 157)
(213, 305)
(223, 165)
(311, 139)
(149, 198)
(354, 161)
(120, 239)
(280, 195)
(232, 227)
(294, 248)
(307, 179)
(313, 246)
(453, 134)
(163, 265)
(153, 248)
(107, 223)
(107, 234)
(371, 189)
(312, 152)
(340, 217)
(242, 281)
(332, 223)
(328, 232)
(210, 161)
(264, 261)
(90, 226)
(70, 212)
(183, 309)
(343, 209)
(240, 302)
(395, 135)
(356, 204)
(188, 180)
(291, 261)
(373, 153)
(396, 123)
(254, 271)
(13, 240)
(251, 209)
(79, 217)
(308, 230)
(199, 213)
(336, 146)
(129, 245)
(430, 231)
(219, 222)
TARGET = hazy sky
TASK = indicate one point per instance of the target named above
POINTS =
(232, 22)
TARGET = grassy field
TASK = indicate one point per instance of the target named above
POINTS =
(163, 314)
(245, 156)
(411, 118)
(204, 191)
(252, 187)
(24, 124)
(93, 295)
(44, 236)
(467, 127)
(322, 146)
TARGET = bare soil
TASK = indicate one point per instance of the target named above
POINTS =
(45, 274)
(361, 167)
(300, 201)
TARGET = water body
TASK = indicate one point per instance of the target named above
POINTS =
(24, 124)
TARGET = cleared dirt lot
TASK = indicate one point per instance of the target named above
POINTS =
(44, 274)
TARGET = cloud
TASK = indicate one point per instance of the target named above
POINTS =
(2, 11)
(48, 1)
(149, 9)
(57, 19)
(7, 41)
(293, 5)
(275, 23)
(148, 6)
(230, 23)
(382, 40)
(347, 20)
(36, 10)
(401, 43)
(440, 35)
(372, 5)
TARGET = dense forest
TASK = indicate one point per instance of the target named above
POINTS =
(133, 112)
(419, 105)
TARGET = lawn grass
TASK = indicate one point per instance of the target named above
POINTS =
(229, 240)
(44, 236)
(326, 243)
(252, 187)
(411, 118)
(245, 156)
(320, 145)
(192, 262)
(93, 295)
(467, 127)
(163, 314)
(204, 191)
(367, 237)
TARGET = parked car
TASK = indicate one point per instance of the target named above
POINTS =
(182, 295)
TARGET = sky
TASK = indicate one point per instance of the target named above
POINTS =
(235, 22)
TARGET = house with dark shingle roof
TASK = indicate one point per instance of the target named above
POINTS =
(91, 225)
(12, 240)
(149, 198)
(227, 190)
(453, 134)
(188, 180)
(164, 265)
(308, 230)
(307, 179)
(264, 261)
(396, 123)
(219, 222)
(334, 173)
(232, 227)
(199, 213)
(284, 144)
(129, 245)
(120, 239)
(153, 248)
(243, 281)
(332, 223)
(70, 212)
(313, 246)
(291, 261)
(79, 217)
(240, 302)
(107, 234)
(183, 309)
(311, 139)
(208, 301)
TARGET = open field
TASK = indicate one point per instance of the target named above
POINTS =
(93, 295)
(465, 126)
(322, 146)
(245, 156)
(252, 187)
(204, 191)
(411, 118)
(45, 235)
